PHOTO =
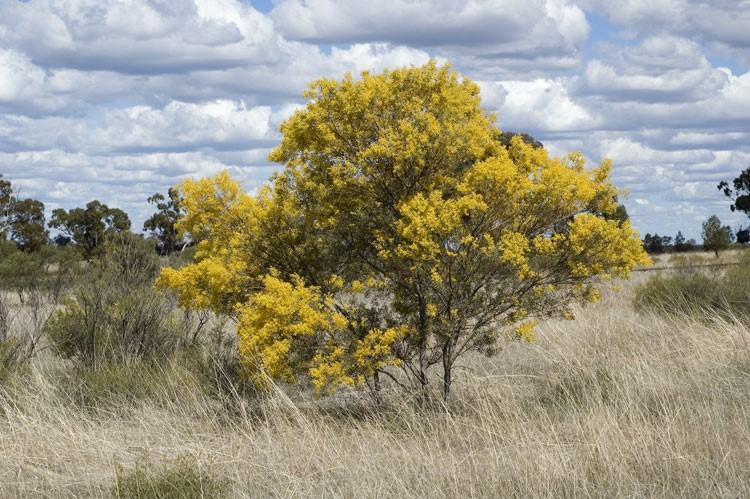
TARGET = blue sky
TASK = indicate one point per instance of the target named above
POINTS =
(118, 99)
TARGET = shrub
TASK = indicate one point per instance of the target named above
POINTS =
(116, 314)
(699, 292)
(39, 280)
(184, 479)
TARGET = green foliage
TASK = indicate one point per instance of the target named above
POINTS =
(715, 236)
(739, 192)
(743, 235)
(21, 220)
(620, 214)
(186, 478)
(163, 224)
(681, 245)
(115, 314)
(699, 292)
(27, 225)
(39, 280)
(88, 227)
(505, 138)
(655, 243)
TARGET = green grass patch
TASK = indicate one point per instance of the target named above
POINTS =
(185, 478)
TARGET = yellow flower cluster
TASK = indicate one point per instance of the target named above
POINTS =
(279, 316)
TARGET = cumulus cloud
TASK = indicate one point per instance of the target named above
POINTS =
(540, 105)
(661, 68)
(140, 37)
(511, 34)
(477, 25)
(721, 24)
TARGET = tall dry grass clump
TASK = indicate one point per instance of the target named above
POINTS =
(612, 404)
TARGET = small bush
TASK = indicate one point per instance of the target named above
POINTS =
(184, 479)
(700, 292)
(218, 365)
(116, 314)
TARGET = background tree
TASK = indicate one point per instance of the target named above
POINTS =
(399, 235)
(21, 220)
(505, 138)
(88, 227)
(163, 224)
(6, 201)
(620, 213)
(739, 192)
(27, 224)
(743, 235)
(682, 245)
(715, 236)
(656, 244)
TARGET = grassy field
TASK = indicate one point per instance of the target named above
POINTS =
(612, 404)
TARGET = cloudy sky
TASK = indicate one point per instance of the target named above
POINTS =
(118, 99)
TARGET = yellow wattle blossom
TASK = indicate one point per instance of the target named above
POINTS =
(513, 249)
(374, 350)
(525, 331)
(329, 371)
(432, 310)
(280, 315)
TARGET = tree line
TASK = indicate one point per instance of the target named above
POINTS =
(716, 236)
(23, 222)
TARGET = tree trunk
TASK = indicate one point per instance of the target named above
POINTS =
(446, 381)
(423, 335)
(448, 359)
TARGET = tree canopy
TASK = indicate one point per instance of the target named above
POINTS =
(739, 192)
(716, 237)
(88, 227)
(743, 235)
(27, 224)
(401, 234)
(21, 220)
(163, 224)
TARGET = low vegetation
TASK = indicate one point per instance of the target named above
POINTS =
(184, 479)
(700, 289)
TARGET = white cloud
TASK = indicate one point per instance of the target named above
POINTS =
(183, 126)
(720, 23)
(662, 68)
(542, 105)
(494, 34)
(139, 36)
(428, 24)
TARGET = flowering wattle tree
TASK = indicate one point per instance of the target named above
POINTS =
(400, 235)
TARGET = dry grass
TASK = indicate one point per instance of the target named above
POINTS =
(612, 404)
